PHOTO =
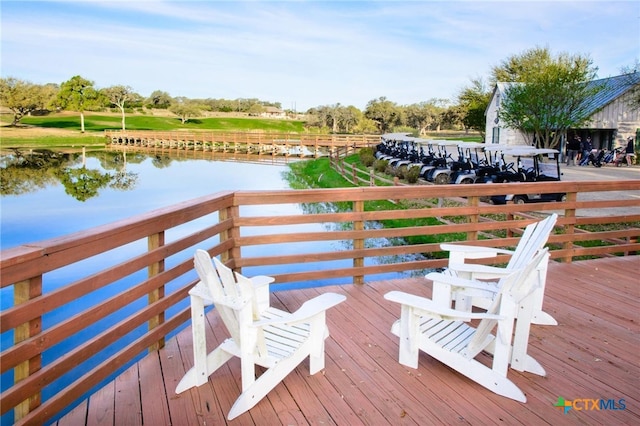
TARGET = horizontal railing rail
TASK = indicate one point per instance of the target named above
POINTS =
(118, 290)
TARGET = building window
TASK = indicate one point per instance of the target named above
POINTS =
(495, 137)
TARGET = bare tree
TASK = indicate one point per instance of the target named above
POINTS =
(119, 96)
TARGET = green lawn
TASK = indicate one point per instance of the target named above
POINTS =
(55, 131)
(98, 122)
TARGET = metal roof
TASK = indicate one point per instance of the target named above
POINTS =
(612, 89)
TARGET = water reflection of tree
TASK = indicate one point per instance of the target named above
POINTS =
(121, 179)
(83, 183)
(23, 172)
(161, 161)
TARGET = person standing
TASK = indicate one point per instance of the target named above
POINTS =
(586, 148)
(573, 147)
(629, 151)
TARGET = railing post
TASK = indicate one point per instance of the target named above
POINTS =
(509, 233)
(231, 233)
(569, 228)
(372, 179)
(355, 175)
(155, 241)
(358, 244)
(23, 292)
(473, 201)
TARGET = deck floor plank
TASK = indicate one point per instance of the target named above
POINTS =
(101, 408)
(358, 373)
(154, 411)
(180, 406)
(77, 416)
(591, 354)
(205, 398)
(127, 407)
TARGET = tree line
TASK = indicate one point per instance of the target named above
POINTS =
(546, 97)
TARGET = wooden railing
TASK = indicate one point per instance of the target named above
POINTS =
(260, 143)
(357, 176)
(119, 290)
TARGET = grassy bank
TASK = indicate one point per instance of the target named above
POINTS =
(319, 174)
(101, 122)
(63, 130)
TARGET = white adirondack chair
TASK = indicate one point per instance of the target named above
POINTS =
(533, 239)
(447, 335)
(260, 335)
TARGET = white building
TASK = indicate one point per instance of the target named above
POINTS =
(611, 122)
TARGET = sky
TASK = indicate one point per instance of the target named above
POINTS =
(304, 54)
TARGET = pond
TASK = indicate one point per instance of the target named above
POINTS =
(46, 194)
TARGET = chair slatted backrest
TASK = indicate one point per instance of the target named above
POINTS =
(223, 290)
(513, 289)
(535, 236)
(238, 284)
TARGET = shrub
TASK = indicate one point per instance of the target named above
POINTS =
(412, 175)
(389, 170)
(366, 151)
(401, 172)
(380, 165)
(367, 157)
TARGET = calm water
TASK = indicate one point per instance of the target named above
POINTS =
(47, 210)
(45, 196)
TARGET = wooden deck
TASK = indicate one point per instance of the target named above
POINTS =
(593, 353)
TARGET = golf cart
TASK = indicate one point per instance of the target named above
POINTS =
(471, 157)
(533, 165)
(441, 172)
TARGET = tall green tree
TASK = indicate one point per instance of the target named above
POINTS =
(633, 71)
(522, 67)
(453, 117)
(23, 97)
(334, 117)
(350, 118)
(384, 113)
(159, 99)
(473, 101)
(422, 115)
(185, 109)
(120, 96)
(78, 94)
(552, 97)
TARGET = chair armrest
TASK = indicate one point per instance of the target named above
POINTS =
(202, 291)
(445, 286)
(261, 290)
(429, 308)
(261, 280)
(474, 252)
(481, 271)
(457, 282)
(309, 309)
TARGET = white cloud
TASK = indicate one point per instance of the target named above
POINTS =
(311, 53)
